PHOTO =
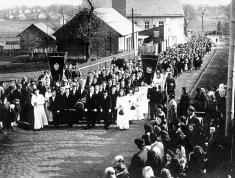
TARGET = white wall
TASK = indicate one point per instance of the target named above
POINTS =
(125, 43)
(173, 27)
(174, 31)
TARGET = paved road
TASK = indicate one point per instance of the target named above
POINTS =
(73, 152)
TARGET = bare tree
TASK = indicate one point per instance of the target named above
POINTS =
(30, 42)
(202, 10)
(90, 29)
(225, 20)
(189, 15)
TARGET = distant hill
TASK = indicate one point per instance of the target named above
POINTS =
(13, 21)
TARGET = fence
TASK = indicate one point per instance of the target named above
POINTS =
(104, 62)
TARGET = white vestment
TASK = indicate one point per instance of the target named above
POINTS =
(40, 118)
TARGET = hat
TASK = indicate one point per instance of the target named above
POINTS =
(139, 142)
(191, 108)
(157, 129)
(148, 127)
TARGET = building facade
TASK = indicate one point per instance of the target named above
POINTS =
(116, 36)
(152, 13)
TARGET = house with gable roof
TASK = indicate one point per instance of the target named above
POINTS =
(116, 35)
(152, 13)
(38, 36)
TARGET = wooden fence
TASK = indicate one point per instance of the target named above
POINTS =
(104, 62)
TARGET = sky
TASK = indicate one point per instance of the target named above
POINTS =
(13, 3)
(209, 2)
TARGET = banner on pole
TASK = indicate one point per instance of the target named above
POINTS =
(149, 63)
(56, 63)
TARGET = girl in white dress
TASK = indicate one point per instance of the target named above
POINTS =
(158, 79)
(40, 118)
(131, 105)
(122, 117)
(143, 100)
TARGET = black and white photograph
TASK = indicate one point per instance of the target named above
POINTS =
(117, 88)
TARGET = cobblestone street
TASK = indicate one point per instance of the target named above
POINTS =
(75, 152)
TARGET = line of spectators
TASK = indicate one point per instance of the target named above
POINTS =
(184, 144)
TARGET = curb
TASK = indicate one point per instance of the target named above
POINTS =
(203, 71)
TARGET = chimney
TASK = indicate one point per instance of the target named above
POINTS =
(120, 6)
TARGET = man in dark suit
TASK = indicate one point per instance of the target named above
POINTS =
(139, 160)
(68, 72)
(155, 98)
(59, 105)
(170, 84)
(90, 108)
(97, 97)
(106, 106)
(67, 107)
(52, 105)
(81, 94)
(113, 96)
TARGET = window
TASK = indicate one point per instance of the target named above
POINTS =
(147, 25)
(161, 23)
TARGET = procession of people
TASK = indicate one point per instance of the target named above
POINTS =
(116, 95)
(176, 143)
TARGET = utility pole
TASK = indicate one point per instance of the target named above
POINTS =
(229, 126)
(63, 28)
(231, 76)
(133, 30)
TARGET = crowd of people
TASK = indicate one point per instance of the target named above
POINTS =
(111, 94)
(179, 142)
(176, 143)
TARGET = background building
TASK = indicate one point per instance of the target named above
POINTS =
(152, 13)
(114, 37)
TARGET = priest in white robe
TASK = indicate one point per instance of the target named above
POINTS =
(40, 119)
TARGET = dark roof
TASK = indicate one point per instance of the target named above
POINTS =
(155, 8)
(112, 18)
(42, 27)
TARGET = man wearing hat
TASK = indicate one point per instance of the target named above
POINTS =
(139, 160)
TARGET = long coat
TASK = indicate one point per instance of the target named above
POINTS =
(171, 111)
(138, 162)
